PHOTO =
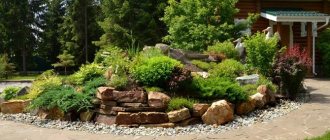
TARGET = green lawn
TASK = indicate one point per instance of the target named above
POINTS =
(325, 136)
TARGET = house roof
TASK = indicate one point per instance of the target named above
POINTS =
(293, 15)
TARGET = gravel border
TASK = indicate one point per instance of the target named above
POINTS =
(263, 115)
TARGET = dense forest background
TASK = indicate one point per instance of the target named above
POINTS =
(34, 32)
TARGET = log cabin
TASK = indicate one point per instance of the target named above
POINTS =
(297, 21)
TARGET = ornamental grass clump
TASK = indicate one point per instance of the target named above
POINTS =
(179, 103)
(291, 67)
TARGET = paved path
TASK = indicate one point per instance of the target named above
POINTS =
(312, 119)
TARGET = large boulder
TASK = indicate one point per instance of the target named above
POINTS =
(259, 99)
(245, 107)
(218, 113)
(249, 79)
(199, 109)
(105, 93)
(105, 119)
(130, 96)
(158, 99)
(141, 118)
(14, 106)
(178, 115)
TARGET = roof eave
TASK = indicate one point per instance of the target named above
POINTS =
(295, 18)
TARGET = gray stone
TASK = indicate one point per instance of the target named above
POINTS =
(249, 79)
(23, 91)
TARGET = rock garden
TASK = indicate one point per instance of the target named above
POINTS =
(200, 83)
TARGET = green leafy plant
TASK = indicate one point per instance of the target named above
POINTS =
(291, 67)
(65, 98)
(221, 51)
(228, 68)
(196, 24)
(219, 88)
(179, 103)
(153, 89)
(118, 81)
(261, 52)
(86, 73)
(91, 86)
(154, 71)
(250, 89)
(264, 81)
(6, 68)
(9, 93)
(323, 44)
(44, 82)
(204, 65)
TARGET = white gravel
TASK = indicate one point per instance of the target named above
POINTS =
(263, 115)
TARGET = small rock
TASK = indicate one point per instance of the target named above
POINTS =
(105, 119)
(53, 114)
(141, 118)
(249, 79)
(163, 125)
(259, 99)
(200, 109)
(14, 106)
(105, 93)
(86, 116)
(178, 115)
(158, 99)
(245, 107)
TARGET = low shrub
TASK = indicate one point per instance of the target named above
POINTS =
(91, 86)
(323, 44)
(9, 93)
(43, 82)
(6, 68)
(86, 73)
(118, 81)
(179, 103)
(250, 89)
(179, 79)
(154, 71)
(221, 51)
(204, 65)
(153, 89)
(219, 88)
(65, 98)
(228, 68)
(291, 67)
(261, 52)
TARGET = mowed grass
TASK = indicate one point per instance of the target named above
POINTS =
(325, 136)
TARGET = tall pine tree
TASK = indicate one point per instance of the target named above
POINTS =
(80, 28)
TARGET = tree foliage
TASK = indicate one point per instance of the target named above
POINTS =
(130, 22)
(196, 24)
(6, 68)
(66, 60)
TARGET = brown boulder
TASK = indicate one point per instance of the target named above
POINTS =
(190, 121)
(105, 93)
(53, 114)
(245, 107)
(130, 96)
(105, 112)
(270, 96)
(14, 106)
(259, 99)
(163, 125)
(132, 105)
(105, 119)
(178, 115)
(158, 99)
(137, 109)
(218, 113)
(141, 118)
(200, 109)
